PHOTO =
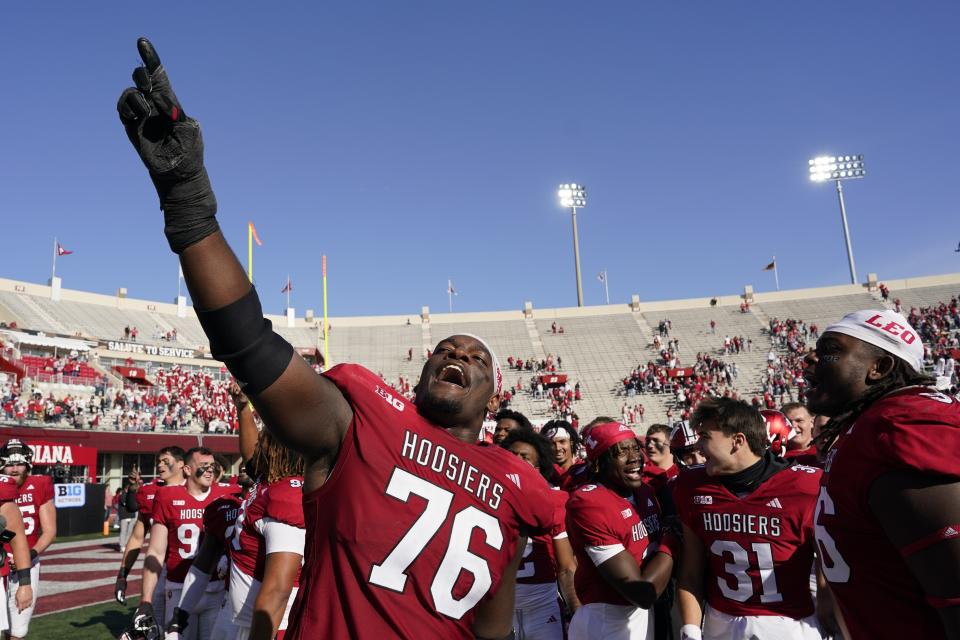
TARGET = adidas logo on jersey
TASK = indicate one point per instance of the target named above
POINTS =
(28, 487)
(950, 532)
(552, 618)
(649, 502)
(514, 478)
(775, 503)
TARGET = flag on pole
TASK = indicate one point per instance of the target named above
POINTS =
(450, 288)
(601, 276)
(61, 251)
(253, 233)
(289, 286)
(771, 266)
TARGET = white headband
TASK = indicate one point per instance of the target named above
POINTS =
(885, 329)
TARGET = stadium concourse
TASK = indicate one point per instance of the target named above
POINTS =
(121, 378)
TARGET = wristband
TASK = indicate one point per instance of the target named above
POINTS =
(690, 632)
(23, 577)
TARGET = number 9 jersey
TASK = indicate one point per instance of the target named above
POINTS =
(182, 515)
(414, 528)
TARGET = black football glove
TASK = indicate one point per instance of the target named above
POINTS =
(171, 147)
(144, 620)
(179, 621)
(120, 590)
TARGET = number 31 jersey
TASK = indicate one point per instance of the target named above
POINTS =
(182, 514)
(759, 548)
(413, 528)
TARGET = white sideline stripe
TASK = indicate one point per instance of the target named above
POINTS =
(82, 543)
(81, 606)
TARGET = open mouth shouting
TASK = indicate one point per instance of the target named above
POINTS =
(453, 374)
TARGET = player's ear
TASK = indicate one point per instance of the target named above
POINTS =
(881, 367)
(493, 404)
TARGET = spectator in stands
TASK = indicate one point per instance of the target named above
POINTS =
(508, 421)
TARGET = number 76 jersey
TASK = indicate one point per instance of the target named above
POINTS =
(413, 528)
(758, 548)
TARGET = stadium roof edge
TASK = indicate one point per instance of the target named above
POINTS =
(135, 304)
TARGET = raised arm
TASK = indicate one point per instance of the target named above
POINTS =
(305, 411)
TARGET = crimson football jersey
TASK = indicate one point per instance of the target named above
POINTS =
(760, 546)
(599, 517)
(576, 476)
(182, 515)
(35, 492)
(280, 501)
(915, 429)
(145, 496)
(220, 516)
(413, 528)
(806, 456)
(539, 561)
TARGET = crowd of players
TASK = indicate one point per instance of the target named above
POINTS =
(408, 529)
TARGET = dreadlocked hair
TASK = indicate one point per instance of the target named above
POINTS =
(902, 375)
(272, 461)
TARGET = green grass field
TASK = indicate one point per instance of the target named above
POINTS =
(96, 622)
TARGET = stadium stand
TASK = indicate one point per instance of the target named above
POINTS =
(595, 347)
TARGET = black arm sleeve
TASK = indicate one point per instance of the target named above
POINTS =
(244, 340)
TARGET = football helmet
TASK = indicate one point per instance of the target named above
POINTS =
(16, 452)
(683, 436)
(779, 430)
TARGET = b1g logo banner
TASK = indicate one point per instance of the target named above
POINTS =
(69, 495)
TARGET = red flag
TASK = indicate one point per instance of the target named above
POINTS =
(287, 288)
(253, 231)
(771, 266)
(61, 251)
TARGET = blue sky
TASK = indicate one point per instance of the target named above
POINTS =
(414, 142)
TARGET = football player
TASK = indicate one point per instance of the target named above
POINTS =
(35, 500)
(800, 444)
(174, 540)
(398, 501)
(683, 444)
(566, 445)
(507, 421)
(267, 546)
(548, 559)
(661, 465)
(169, 472)
(747, 532)
(888, 512)
(615, 531)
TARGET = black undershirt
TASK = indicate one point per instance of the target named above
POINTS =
(746, 481)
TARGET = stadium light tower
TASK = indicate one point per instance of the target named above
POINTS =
(838, 169)
(574, 196)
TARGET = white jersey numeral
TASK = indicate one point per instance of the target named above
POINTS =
(29, 522)
(189, 536)
(738, 570)
(527, 569)
(835, 568)
(391, 573)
